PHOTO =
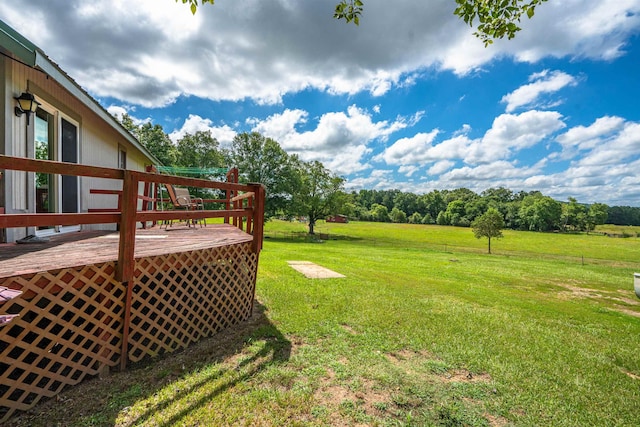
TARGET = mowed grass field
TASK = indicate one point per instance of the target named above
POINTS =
(426, 329)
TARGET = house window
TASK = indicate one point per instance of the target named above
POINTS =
(122, 158)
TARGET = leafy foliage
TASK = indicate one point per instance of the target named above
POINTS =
(497, 18)
(350, 11)
(200, 150)
(193, 4)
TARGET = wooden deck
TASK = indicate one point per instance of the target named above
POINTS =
(83, 303)
(82, 248)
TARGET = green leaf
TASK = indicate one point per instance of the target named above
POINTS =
(530, 12)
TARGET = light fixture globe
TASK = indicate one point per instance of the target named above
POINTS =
(27, 104)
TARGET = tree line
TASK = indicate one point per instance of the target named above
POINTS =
(461, 207)
(296, 188)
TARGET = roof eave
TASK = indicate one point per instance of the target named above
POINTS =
(19, 48)
(43, 63)
(17, 45)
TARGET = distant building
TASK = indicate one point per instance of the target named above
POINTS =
(342, 219)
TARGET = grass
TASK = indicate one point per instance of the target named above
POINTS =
(416, 334)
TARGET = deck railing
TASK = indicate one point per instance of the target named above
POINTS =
(248, 216)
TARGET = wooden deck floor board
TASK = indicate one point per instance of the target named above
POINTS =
(82, 248)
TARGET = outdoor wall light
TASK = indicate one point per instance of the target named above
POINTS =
(27, 104)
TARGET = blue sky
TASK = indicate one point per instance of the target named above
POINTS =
(410, 99)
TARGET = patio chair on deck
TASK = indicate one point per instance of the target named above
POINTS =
(179, 198)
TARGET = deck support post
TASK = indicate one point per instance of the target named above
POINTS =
(258, 216)
(124, 271)
(124, 353)
(126, 250)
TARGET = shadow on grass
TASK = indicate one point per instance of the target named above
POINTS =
(228, 355)
(303, 237)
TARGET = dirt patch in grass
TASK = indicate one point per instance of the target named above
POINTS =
(630, 301)
(349, 329)
(631, 374)
(462, 375)
(398, 357)
(404, 358)
(577, 292)
(625, 310)
(619, 296)
(496, 421)
(364, 396)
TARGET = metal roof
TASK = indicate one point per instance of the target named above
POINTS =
(16, 46)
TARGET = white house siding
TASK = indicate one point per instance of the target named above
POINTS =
(98, 143)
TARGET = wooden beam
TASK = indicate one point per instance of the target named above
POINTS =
(188, 182)
(126, 261)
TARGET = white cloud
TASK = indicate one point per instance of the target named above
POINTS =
(194, 123)
(407, 151)
(588, 137)
(620, 148)
(541, 83)
(340, 140)
(408, 171)
(512, 133)
(440, 167)
(280, 126)
(495, 172)
(464, 130)
(378, 179)
(576, 28)
(508, 135)
(117, 111)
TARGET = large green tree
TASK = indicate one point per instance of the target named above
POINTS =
(261, 159)
(574, 215)
(540, 213)
(200, 150)
(596, 215)
(319, 193)
(496, 18)
(489, 225)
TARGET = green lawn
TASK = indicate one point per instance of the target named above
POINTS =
(426, 329)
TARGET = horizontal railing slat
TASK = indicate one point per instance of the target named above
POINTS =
(46, 219)
(49, 166)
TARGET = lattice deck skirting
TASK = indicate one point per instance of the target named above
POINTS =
(70, 321)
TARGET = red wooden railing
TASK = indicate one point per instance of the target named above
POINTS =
(248, 217)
